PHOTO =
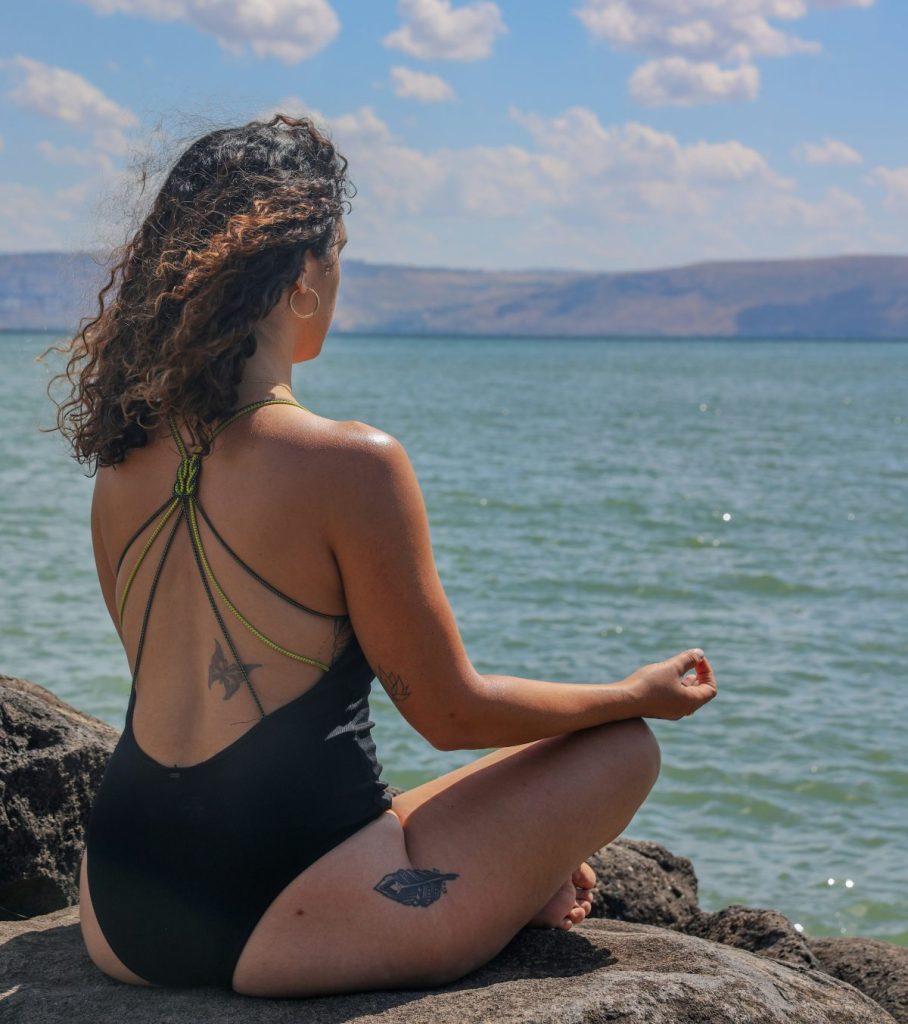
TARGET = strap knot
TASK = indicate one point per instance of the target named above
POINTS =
(188, 475)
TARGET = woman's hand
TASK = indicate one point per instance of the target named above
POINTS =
(667, 689)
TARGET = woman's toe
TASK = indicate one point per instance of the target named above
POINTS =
(584, 877)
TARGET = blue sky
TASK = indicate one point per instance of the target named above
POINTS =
(516, 134)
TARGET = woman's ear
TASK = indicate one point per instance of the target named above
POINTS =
(312, 269)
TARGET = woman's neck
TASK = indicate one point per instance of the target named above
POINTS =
(267, 372)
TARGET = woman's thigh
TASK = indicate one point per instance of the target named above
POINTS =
(506, 830)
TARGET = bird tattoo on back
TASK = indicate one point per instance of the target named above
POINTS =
(229, 674)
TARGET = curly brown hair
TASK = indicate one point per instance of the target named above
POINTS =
(225, 236)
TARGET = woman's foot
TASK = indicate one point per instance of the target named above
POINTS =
(570, 904)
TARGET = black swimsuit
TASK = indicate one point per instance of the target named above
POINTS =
(184, 861)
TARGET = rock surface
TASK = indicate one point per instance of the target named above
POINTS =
(764, 932)
(641, 881)
(52, 758)
(600, 971)
(878, 969)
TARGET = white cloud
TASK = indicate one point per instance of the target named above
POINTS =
(398, 179)
(581, 193)
(705, 49)
(68, 97)
(731, 30)
(64, 95)
(576, 192)
(836, 210)
(729, 161)
(829, 151)
(435, 30)
(677, 81)
(416, 85)
(895, 182)
(29, 217)
(73, 156)
(591, 178)
(363, 125)
(288, 30)
(637, 152)
(78, 214)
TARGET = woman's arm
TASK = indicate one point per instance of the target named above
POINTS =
(405, 625)
(508, 710)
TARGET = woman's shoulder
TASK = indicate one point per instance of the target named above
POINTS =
(343, 441)
(345, 454)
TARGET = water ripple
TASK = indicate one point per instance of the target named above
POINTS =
(595, 506)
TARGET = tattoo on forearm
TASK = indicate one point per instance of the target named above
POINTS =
(415, 887)
(229, 674)
(397, 689)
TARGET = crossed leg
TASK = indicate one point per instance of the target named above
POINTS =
(570, 903)
(507, 830)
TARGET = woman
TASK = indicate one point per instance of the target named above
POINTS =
(261, 564)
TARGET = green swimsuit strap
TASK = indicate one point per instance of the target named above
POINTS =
(184, 486)
(185, 504)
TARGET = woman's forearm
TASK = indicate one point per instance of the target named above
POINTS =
(507, 710)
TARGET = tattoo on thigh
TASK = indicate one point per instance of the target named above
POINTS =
(397, 689)
(415, 887)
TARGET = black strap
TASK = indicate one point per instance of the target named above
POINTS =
(270, 586)
(154, 515)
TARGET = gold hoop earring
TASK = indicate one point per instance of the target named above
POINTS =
(304, 316)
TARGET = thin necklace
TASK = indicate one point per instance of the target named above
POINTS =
(276, 384)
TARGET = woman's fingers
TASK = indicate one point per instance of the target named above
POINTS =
(687, 660)
(695, 659)
(705, 673)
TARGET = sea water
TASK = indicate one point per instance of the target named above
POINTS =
(595, 505)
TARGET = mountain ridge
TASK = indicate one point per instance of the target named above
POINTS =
(856, 295)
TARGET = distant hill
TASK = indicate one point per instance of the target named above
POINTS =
(833, 297)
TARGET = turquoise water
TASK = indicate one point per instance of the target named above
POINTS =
(596, 505)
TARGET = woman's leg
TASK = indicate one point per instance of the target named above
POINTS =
(509, 830)
(563, 909)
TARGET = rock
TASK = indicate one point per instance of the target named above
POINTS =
(878, 969)
(643, 882)
(52, 758)
(600, 971)
(764, 932)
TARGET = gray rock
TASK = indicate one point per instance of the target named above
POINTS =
(601, 971)
(878, 969)
(52, 758)
(643, 882)
(764, 932)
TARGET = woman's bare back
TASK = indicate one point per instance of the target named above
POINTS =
(262, 487)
